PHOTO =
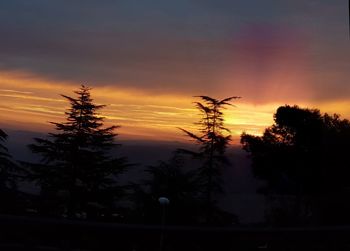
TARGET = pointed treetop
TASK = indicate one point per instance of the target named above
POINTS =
(217, 102)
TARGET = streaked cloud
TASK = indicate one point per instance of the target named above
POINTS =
(13, 91)
(147, 59)
(250, 48)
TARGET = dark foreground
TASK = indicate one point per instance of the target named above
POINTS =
(33, 233)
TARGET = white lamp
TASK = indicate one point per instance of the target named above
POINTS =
(163, 201)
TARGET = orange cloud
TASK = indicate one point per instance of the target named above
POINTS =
(30, 102)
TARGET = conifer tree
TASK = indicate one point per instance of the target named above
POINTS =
(7, 167)
(213, 139)
(9, 176)
(167, 179)
(77, 169)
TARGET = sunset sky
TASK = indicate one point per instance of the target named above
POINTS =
(147, 59)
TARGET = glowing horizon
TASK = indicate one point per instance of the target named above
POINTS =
(31, 102)
(146, 61)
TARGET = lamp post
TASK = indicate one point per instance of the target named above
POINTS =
(163, 201)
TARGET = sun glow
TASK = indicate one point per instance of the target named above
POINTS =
(30, 102)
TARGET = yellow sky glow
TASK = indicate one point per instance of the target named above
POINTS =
(30, 102)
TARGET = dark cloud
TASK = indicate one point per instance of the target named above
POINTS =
(178, 46)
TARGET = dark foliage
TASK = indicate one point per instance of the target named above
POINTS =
(168, 179)
(10, 174)
(173, 180)
(7, 179)
(77, 173)
(304, 155)
(213, 139)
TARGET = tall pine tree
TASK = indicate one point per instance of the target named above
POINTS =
(6, 165)
(10, 174)
(213, 139)
(77, 171)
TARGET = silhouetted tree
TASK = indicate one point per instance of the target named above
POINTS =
(303, 154)
(77, 171)
(9, 176)
(6, 165)
(168, 179)
(212, 139)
